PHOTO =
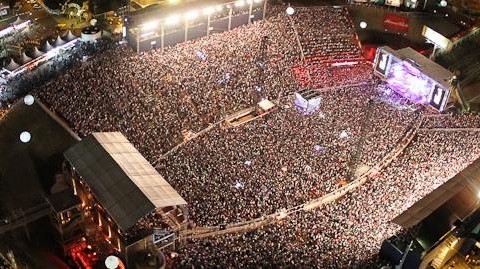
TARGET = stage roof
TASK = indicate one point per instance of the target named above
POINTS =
(121, 179)
(429, 67)
(466, 183)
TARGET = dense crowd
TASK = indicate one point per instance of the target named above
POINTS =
(328, 39)
(347, 233)
(278, 161)
(152, 97)
(451, 121)
(284, 159)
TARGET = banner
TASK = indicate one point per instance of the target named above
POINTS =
(396, 23)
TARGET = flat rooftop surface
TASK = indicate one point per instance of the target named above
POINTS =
(27, 170)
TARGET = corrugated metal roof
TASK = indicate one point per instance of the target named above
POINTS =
(123, 181)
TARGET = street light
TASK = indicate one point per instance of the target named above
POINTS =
(443, 3)
(363, 25)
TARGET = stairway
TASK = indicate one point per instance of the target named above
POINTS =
(447, 250)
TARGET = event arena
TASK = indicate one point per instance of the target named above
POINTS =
(255, 190)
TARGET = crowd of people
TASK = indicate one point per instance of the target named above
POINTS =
(279, 161)
(284, 159)
(152, 97)
(349, 232)
(328, 39)
(451, 121)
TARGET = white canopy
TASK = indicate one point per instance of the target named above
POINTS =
(12, 65)
(59, 41)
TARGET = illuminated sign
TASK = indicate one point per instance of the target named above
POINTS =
(395, 23)
(436, 38)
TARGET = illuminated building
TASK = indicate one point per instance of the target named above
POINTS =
(67, 218)
(158, 27)
(125, 202)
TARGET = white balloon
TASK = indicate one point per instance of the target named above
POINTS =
(290, 11)
(25, 137)
(112, 262)
(28, 100)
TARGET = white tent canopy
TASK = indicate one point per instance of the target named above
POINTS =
(37, 53)
(17, 21)
(70, 36)
(47, 46)
(59, 41)
(25, 59)
(12, 65)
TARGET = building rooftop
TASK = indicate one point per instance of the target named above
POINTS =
(121, 179)
(63, 200)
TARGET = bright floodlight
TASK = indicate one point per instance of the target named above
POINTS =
(149, 26)
(172, 19)
(290, 11)
(240, 3)
(443, 3)
(112, 262)
(28, 100)
(363, 25)
(191, 15)
(208, 10)
(25, 137)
